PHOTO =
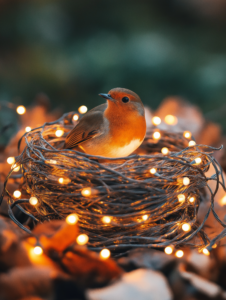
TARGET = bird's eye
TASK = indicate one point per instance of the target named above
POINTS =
(125, 99)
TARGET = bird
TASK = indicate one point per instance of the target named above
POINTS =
(114, 129)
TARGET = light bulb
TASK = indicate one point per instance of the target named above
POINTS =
(21, 110)
(186, 181)
(28, 128)
(171, 120)
(186, 227)
(156, 135)
(205, 251)
(82, 239)
(105, 253)
(15, 168)
(191, 143)
(168, 250)
(191, 199)
(156, 120)
(75, 117)
(51, 161)
(214, 246)
(33, 200)
(17, 194)
(187, 134)
(10, 160)
(106, 219)
(72, 219)
(37, 250)
(86, 192)
(153, 170)
(59, 133)
(145, 217)
(61, 180)
(82, 109)
(165, 150)
(198, 160)
(179, 253)
(181, 197)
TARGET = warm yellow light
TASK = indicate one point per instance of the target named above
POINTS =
(186, 181)
(165, 150)
(28, 128)
(205, 251)
(37, 250)
(72, 219)
(21, 110)
(10, 160)
(153, 170)
(76, 117)
(186, 227)
(214, 246)
(59, 133)
(33, 200)
(86, 192)
(156, 120)
(82, 239)
(145, 217)
(223, 201)
(168, 250)
(187, 134)
(51, 161)
(191, 143)
(106, 219)
(171, 120)
(15, 168)
(179, 253)
(156, 135)
(61, 180)
(17, 194)
(82, 109)
(198, 160)
(191, 199)
(105, 253)
(181, 197)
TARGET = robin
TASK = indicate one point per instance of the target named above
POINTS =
(113, 129)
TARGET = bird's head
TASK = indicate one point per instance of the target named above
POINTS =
(124, 100)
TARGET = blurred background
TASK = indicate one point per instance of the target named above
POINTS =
(73, 50)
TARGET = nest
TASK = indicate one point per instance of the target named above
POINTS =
(119, 202)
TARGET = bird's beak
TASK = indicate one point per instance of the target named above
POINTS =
(107, 96)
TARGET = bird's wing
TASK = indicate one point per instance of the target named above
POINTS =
(90, 126)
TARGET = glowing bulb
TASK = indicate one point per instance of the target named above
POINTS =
(191, 143)
(15, 168)
(153, 170)
(33, 200)
(165, 150)
(59, 133)
(156, 120)
(106, 219)
(181, 197)
(168, 250)
(17, 194)
(171, 120)
(82, 239)
(82, 109)
(191, 199)
(51, 161)
(38, 250)
(179, 253)
(72, 219)
(86, 192)
(205, 251)
(61, 180)
(145, 217)
(187, 134)
(186, 227)
(198, 160)
(214, 246)
(10, 160)
(28, 128)
(156, 135)
(76, 117)
(21, 110)
(105, 253)
(223, 201)
(186, 181)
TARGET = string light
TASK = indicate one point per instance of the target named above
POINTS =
(28, 128)
(165, 150)
(82, 109)
(156, 135)
(33, 200)
(82, 239)
(51, 161)
(86, 192)
(59, 133)
(223, 201)
(153, 170)
(37, 250)
(186, 181)
(72, 219)
(61, 180)
(214, 246)
(168, 250)
(75, 117)
(171, 120)
(10, 160)
(191, 143)
(156, 120)
(179, 253)
(187, 134)
(191, 199)
(106, 219)
(205, 251)
(15, 168)
(17, 194)
(198, 160)
(105, 253)
(181, 197)
(186, 227)
(21, 110)
(145, 217)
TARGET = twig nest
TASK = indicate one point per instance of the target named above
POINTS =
(146, 200)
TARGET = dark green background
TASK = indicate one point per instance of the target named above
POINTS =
(74, 49)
